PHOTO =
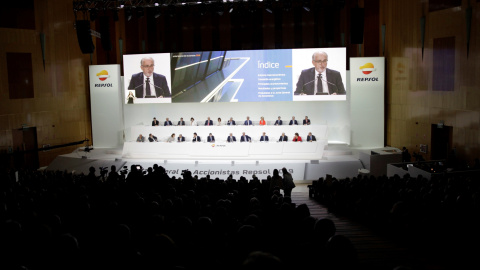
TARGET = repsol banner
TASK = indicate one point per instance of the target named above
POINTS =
(367, 84)
(222, 171)
(106, 105)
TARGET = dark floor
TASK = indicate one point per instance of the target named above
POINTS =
(374, 251)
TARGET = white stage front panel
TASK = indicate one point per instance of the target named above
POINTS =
(236, 150)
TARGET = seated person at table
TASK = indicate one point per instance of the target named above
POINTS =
(167, 122)
(297, 138)
(293, 121)
(248, 122)
(155, 122)
(311, 138)
(180, 138)
(306, 121)
(231, 122)
(140, 138)
(152, 138)
(193, 122)
(171, 138)
(181, 122)
(210, 138)
(208, 122)
(264, 138)
(279, 122)
(283, 138)
(219, 121)
(245, 138)
(231, 138)
(262, 121)
(196, 138)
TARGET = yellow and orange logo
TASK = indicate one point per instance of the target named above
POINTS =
(103, 75)
(367, 68)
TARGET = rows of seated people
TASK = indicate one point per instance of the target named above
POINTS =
(144, 219)
(442, 214)
(229, 122)
(230, 138)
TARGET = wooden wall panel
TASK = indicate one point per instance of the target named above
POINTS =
(61, 88)
(460, 108)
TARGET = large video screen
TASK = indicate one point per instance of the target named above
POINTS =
(236, 76)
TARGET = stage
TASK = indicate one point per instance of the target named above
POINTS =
(338, 160)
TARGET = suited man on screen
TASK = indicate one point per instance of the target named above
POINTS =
(210, 138)
(279, 122)
(283, 138)
(231, 138)
(311, 138)
(320, 80)
(196, 138)
(180, 138)
(264, 137)
(245, 138)
(147, 83)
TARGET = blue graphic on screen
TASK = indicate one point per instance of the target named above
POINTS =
(262, 75)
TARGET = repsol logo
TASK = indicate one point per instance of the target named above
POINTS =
(103, 85)
(374, 79)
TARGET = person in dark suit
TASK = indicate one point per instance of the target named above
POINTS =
(196, 138)
(180, 138)
(147, 83)
(152, 138)
(231, 138)
(155, 122)
(264, 137)
(210, 138)
(306, 121)
(311, 138)
(283, 138)
(208, 122)
(167, 122)
(293, 121)
(248, 122)
(279, 122)
(245, 138)
(320, 80)
(231, 122)
(181, 122)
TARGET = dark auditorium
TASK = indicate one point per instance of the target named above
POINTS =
(382, 174)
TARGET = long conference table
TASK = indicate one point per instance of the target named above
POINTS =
(219, 149)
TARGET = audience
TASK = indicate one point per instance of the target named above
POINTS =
(145, 219)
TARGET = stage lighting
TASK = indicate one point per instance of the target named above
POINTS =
(128, 14)
(268, 7)
(306, 5)
(158, 12)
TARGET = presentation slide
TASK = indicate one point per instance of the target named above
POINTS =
(316, 74)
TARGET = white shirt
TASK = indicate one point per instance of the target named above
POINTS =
(323, 81)
(193, 123)
(152, 86)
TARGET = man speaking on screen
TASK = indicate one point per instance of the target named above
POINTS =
(148, 84)
(320, 80)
